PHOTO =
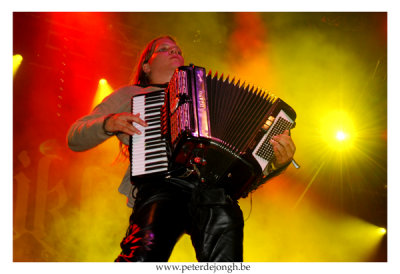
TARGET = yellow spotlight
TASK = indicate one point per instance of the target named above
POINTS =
(341, 136)
(337, 130)
(381, 231)
(17, 59)
(103, 90)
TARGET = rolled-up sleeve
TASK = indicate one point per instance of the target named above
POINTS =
(87, 132)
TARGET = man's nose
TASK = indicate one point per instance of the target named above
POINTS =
(173, 50)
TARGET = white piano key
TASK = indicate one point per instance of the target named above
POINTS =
(144, 163)
(138, 150)
(149, 172)
(142, 107)
(141, 136)
(134, 154)
(144, 167)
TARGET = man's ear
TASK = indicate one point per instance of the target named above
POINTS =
(146, 68)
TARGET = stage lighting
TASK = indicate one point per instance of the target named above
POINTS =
(338, 130)
(103, 90)
(341, 136)
(17, 59)
(381, 231)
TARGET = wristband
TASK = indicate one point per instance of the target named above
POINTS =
(109, 133)
(273, 167)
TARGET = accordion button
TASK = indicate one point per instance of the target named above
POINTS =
(200, 161)
(197, 160)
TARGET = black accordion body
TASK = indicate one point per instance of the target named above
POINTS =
(215, 128)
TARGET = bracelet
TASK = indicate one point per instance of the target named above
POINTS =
(109, 133)
(273, 167)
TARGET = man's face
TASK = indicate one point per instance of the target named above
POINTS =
(167, 57)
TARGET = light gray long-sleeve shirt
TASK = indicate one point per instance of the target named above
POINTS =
(87, 132)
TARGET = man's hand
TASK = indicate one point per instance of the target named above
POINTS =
(122, 122)
(284, 148)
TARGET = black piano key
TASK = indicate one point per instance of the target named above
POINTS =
(152, 133)
(150, 139)
(151, 157)
(152, 100)
(153, 123)
(149, 150)
(157, 152)
(148, 130)
(155, 146)
(155, 165)
(156, 142)
(153, 117)
(155, 98)
(152, 111)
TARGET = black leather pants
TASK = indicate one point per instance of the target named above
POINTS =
(164, 211)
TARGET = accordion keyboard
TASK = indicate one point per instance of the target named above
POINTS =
(149, 151)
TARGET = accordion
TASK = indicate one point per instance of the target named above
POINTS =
(214, 127)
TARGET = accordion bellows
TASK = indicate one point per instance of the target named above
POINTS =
(218, 128)
(236, 111)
